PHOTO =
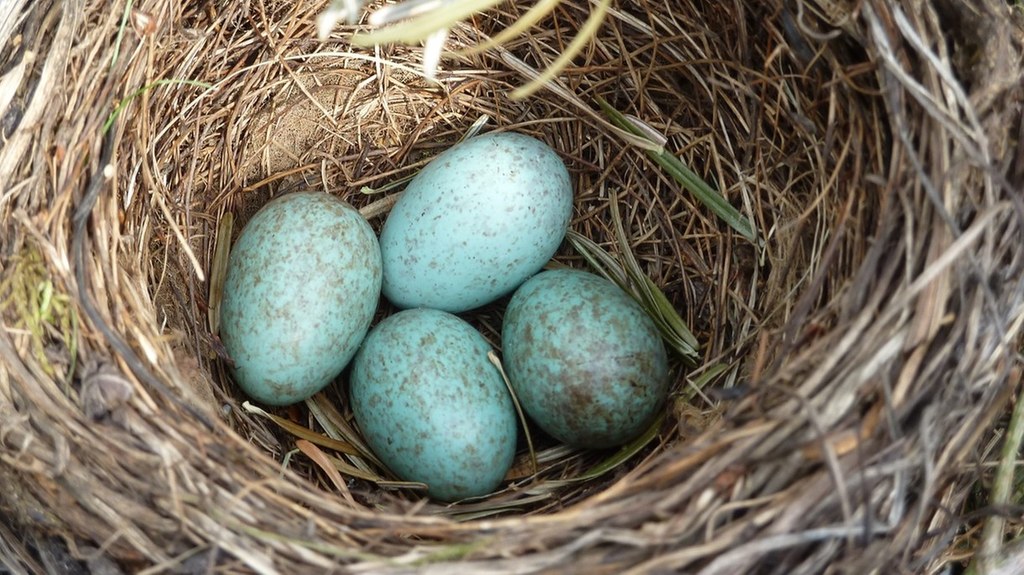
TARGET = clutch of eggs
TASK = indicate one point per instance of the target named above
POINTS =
(485, 216)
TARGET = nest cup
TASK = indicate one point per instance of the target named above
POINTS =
(854, 356)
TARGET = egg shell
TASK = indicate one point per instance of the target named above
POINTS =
(586, 362)
(302, 285)
(432, 406)
(475, 223)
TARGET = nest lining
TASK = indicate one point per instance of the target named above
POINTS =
(860, 353)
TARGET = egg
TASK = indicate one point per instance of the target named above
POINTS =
(302, 285)
(586, 362)
(475, 223)
(432, 406)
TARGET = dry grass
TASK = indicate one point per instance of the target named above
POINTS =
(853, 361)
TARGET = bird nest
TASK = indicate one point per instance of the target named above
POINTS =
(855, 352)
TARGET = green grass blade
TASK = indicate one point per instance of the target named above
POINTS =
(622, 455)
(696, 386)
(600, 260)
(587, 32)
(686, 177)
(120, 33)
(651, 296)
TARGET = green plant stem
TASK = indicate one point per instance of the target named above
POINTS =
(120, 32)
(993, 532)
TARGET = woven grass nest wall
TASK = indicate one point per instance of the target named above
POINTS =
(854, 358)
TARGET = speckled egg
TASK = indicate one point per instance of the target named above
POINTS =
(475, 223)
(432, 406)
(586, 362)
(302, 285)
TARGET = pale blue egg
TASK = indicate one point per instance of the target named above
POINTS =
(585, 360)
(302, 286)
(475, 223)
(432, 406)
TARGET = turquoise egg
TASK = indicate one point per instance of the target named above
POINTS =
(432, 406)
(475, 223)
(302, 285)
(585, 360)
